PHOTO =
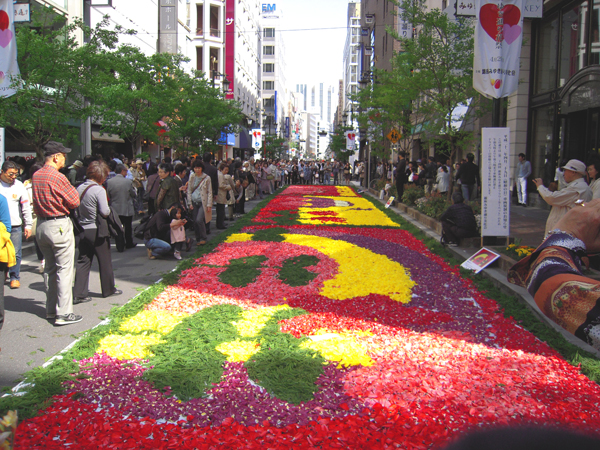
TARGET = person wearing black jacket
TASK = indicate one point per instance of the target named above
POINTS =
(157, 234)
(458, 221)
(468, 174)
(401, 175)
(430, 174)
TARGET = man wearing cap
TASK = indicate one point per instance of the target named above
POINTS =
(20, 211)
(72, 175)
(564, 199)
(53, 198)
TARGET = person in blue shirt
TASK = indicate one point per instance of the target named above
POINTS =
(5, 219)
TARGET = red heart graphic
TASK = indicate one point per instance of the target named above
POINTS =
(4, 20)
(351, 136)
(488, 16)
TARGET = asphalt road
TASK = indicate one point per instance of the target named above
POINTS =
(28, 340)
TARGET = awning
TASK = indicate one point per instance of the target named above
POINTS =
(245, 140)
(98, 136)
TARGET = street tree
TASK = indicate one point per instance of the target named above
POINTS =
(337, 145)
(142, 89)
(435, 70)
(57, 75)
(201, 114)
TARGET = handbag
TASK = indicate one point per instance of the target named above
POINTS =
(197, 194)
(74, 215)
(147, 193)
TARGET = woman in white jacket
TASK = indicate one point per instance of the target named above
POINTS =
(443, 180)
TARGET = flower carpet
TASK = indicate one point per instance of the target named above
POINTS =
(320, 324)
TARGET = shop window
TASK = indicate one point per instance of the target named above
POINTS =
(547, 56)
(544, 159)
(572, 46)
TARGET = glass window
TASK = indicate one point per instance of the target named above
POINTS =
(269, 32)
(268, 85)
(268, 102)
(268, 68)
(545, 79)
(572, 46)
(268, 50)
(543, 161)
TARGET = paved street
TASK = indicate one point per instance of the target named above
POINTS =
(27, 340)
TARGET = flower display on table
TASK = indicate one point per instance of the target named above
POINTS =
(298, 335)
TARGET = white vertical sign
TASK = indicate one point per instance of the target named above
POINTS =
(405, 29)
(495, 170)
(8, 48)
(256, 138)
(350, 140)
(498, 40)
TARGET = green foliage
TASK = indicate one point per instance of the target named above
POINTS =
(293, 271)
(57, 74)
(338, 143)
(411, 194)
(200, 114)
(434, 206)
(269, 235)
(243, 271)
(273, 146)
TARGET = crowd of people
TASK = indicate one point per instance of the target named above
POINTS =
(73, 211)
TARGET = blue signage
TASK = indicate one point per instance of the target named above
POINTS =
(227, 139)
(287, 127)
(268, 8)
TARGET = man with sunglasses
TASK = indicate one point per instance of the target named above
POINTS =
(19, 207)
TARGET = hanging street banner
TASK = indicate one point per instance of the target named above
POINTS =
(256, 138)
(532, 9)
(8, 48)
(498, 39)
(495, 174)
(350, 140)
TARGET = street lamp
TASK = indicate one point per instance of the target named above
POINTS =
(226, 82)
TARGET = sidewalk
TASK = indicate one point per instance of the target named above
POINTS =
(28, 340)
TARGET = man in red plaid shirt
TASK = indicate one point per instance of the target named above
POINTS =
(53, 198)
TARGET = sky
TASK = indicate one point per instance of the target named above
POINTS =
(314, 34)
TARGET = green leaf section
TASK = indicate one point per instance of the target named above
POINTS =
(189, 362)
(243, 271)
(293, 271)
(270, 235)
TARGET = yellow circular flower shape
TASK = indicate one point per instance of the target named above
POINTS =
(361, 272)
(369, 214)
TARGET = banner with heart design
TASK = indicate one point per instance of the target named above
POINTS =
(350, 140)
(8, 48)
(256, 138)
(498, 40)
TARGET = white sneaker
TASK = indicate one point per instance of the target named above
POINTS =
(42, 266)
(177, 255)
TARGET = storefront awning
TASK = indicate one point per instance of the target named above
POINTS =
(98, 136)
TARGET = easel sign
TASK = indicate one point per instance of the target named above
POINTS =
(389, 202)
(480, 260)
